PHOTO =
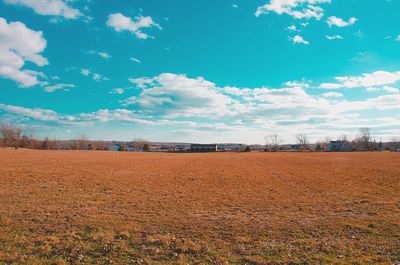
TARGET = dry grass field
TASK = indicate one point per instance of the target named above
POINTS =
(78, 207)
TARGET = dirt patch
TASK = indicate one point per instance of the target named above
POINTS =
(88, 207)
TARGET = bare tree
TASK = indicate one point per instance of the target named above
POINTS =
(395, 143)
(275, 141)
(46, 144)
(25, 141)
(345, 138)
(365, 138)
(302, 140)
(10, 135)
(82, 142)
(139, 143)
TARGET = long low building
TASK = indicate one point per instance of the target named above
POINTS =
(203, 147)
(340, 146)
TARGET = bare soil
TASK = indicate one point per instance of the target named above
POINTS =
(89, 207)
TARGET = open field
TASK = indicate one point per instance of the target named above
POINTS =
(88, 207)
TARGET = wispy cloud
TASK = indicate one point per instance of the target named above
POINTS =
(335, 37)
(136, 60)
(56, 87)
(103, 55)
(94, 76)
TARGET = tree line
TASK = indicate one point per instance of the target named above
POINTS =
(16, 137)
(362, 142)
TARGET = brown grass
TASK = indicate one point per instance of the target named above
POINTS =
(62, 207)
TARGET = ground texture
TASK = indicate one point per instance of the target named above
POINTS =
(63, 207)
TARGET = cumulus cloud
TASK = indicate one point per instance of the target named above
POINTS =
(59, 8)
(339, 22)
(172, 96)
(299, 9)
(200, 107)
(19, 44)
(374, 79)
(299, 40)
(178, 95)
(119, 22)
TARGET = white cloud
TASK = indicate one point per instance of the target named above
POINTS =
(330, 86)
(388, 89)
(37, 113)
(85, 72)
(332, 95)
(119, 22)
(82, 119)
(385, 102)
(293, 28)
(141, 82)
(299, 9)
(49, 7)
(118, 91)
(297, 84)
(94, 76)
(335, 37)
(374, 79)
(136, 60)
(299, 40)
(201, 108)
(101, 54)
(19, 44)
(53, 88)
(338, 22)
(178, 95)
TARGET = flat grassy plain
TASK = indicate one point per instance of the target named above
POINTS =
(89, 207)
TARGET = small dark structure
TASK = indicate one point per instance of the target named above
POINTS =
(340, 146)
(203, 148)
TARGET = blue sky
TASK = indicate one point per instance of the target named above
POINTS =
(200, 71)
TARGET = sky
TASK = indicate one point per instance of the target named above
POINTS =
(201, 71)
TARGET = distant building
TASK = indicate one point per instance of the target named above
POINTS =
(340, 146)
(203, 148)
(134, 149)
(182, 148)
(155, 148)
(295, 147)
